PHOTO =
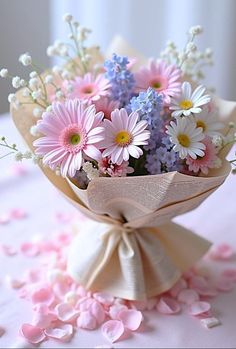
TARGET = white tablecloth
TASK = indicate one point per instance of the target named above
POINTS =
(214, 219)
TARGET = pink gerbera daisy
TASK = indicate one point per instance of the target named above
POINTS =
(164, 78)
(205, 162)
(106, 106)
(71, 132)
(123, 134)
(89, 87)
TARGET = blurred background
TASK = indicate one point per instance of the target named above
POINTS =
(31, 25)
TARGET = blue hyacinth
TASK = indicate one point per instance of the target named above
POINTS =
(121, 79)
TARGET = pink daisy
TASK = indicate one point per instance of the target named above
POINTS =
(205, 162)
(165, 79)
(89, 87)
(106, 167)
(71, 132)
(106, 106)
(123, 134)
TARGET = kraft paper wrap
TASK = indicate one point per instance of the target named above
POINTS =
(135, 251)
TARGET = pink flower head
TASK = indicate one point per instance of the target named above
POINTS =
(89, 87)
(164, 78)
(71, 132)
(106, 167)
(123, 134)
(106, 106)
(205, 162)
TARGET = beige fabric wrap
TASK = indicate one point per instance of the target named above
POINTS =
(135, 252)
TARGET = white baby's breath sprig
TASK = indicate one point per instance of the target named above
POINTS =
(3, 73)
(25, 59)
(16, 82)
(90, 170)
(11, 148)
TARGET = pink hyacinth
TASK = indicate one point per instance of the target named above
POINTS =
(71, 132)
(106, 106)
(123, 134)
(207, 161)
(89, 87)
(164, 78)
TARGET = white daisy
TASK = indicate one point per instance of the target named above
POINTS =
(186, 138)
(189, 102)
(208, 122)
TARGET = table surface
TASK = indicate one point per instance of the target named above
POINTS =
(214, 219)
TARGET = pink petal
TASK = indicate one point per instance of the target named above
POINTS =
(179, 286)
(199, 308)
(104, 298)
(188, 296)
(65, 312)
(168, 305)
(84, 303)
(14, 283)
(224, 285)
(98, 312)
(115, 310)
(87, 321)
(229, 274)
(43, 295)
(43, 317)
(139, 305)
(151, 303)
(8, 250)
(18, 213)
(222, 252)
(62, 333)
(131, 319)
(30, 249)
(113, 330)
(33, 334)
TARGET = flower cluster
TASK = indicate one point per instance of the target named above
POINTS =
(96, 117)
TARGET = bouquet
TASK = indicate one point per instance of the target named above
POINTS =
(131, 143)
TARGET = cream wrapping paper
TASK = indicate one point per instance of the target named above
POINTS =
(135, 252)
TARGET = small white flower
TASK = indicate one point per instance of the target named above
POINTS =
(191, 47)
(51, 51)
(16, 82)
(57, 70)
(23, 83)
(63, 51)
(208, 122)
(189, 102)
(33, 74)
(25, 59)
(48, 79)
(37, 112)
(90, 170)
(218, 141)
(37, 94)
(65, 75)
(196, 30)
(36, 159)
(231, 124)
(186, 138)
(3, 73)
(59, 94)
(33, 83)
(67, 17)
(49, 109)
(27, 155)
(19, 156)
(12, 98)
(26, 92)
(69, 88)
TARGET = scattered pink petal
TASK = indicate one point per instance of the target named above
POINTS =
(199, 307)
(222, 252)
(139, 305)
(65, 312)
(179, 286)
(98, 312)
(43, 317)
(86, 321)
(33, 334)
(131, 318)
(224, 285)
(18, 213)
(71, 297)
(84, 303)
(30, 249)
(34, 275)
(202, 286)
(2, 331)
(115, 310)
(14, 283)
(112, 330)
(188, 296)
(5, 218)
(8, 250)
(151, 303)
(104, 298)
(229, 274)
(62, 333)
(167, 305)
(43, 295)
(60, 288)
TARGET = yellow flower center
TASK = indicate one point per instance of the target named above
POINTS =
(123, 138)
(75, 139)
(201, 124)
(156, 84)
(186, 104)
(184, 140)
